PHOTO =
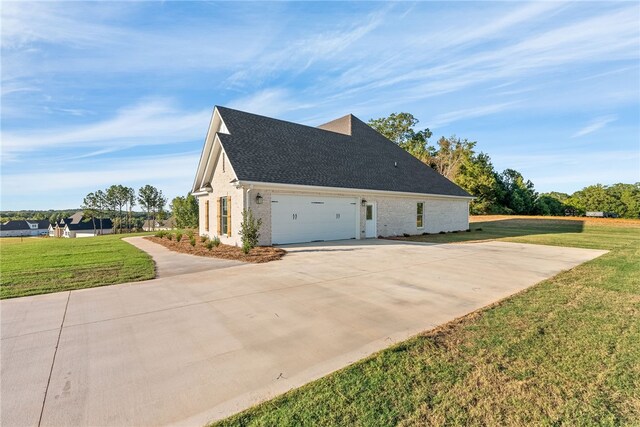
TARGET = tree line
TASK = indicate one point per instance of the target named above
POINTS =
(506, 192)
(117, 202)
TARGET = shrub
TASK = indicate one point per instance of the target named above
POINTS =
(190, 234)
(178, 236)
(468, 230)
(215, 241)
(442, 232)
(192, 241)
(478, 229)
(204, 238)
(249, 230)
(170, 236)
(405, 234)
(210, 244)
(425, 234)
(160, 234)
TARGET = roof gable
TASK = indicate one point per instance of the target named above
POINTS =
(263, 149)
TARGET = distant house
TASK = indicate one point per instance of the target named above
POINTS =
(18, 228)
(165, 224)
(74, 226)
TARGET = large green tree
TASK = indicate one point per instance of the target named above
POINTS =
(478, 177)
(518, 195)
(152, 202)
(399, 128)
(185, 211)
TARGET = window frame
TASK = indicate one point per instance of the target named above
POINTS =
(224, 214)
(206, 215)
(420, 215)
(368, 209)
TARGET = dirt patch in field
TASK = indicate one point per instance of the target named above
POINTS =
(613, 222)
(256, 255)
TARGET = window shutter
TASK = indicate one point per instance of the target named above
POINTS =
(206, 217)
(228, 215)
(219, 213)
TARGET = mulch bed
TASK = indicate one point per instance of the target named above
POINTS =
(256, 255)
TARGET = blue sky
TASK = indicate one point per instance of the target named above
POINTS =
(105, 93)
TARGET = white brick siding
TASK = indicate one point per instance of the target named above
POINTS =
(395, 215)
(222, 187)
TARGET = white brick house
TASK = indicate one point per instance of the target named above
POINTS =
(341, 180)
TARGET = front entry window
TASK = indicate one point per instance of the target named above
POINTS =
(369, 212)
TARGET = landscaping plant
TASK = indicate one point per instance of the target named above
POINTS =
(178, 236)
(210, 244)
(204, 238)
(215, 241)
(249, 230)
(192, 241)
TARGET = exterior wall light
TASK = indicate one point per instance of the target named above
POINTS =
(259, 199)
(364, 203)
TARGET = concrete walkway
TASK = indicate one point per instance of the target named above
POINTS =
(191, 348)
(170, 263)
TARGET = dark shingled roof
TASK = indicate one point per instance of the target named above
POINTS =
(263, 149)
(22, 224)
(88, 225)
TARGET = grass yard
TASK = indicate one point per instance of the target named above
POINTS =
(564, 352)
(33, 266)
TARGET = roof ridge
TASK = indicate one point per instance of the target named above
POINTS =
(286, 121)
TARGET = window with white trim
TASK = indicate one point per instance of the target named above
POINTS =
(420, 215)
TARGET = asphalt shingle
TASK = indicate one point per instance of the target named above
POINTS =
(263, 149)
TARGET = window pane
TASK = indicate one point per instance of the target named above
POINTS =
(419, 221)
(369, 212)
(420, 208)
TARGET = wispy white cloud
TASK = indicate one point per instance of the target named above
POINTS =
(271, 102)
(444, 119)
(151, 122)
(594, 125)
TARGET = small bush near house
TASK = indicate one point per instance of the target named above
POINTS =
(169, 236)
(468, 230)
(204, 238)
(190, 234)
(215, 241)
(249, 230)
(209, 244)
(442, 232)
(406, 234)
(192, 241)
(478, 229)
(160, 234)
(178, 236)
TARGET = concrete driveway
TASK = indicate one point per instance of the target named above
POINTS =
(191, 348)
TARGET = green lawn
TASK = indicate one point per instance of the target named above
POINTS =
(564, 352)
(33, 266)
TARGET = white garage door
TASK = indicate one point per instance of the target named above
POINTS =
(296, 219)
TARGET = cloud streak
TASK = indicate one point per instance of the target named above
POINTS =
(595, 125)
(152, 122)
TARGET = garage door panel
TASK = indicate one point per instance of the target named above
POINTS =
(297, 219)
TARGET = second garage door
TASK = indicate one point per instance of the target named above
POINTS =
(296, 219)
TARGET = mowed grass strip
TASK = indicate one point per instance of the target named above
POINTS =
(33, 266)
(564, 352)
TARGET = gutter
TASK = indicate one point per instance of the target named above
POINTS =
(355, 191)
